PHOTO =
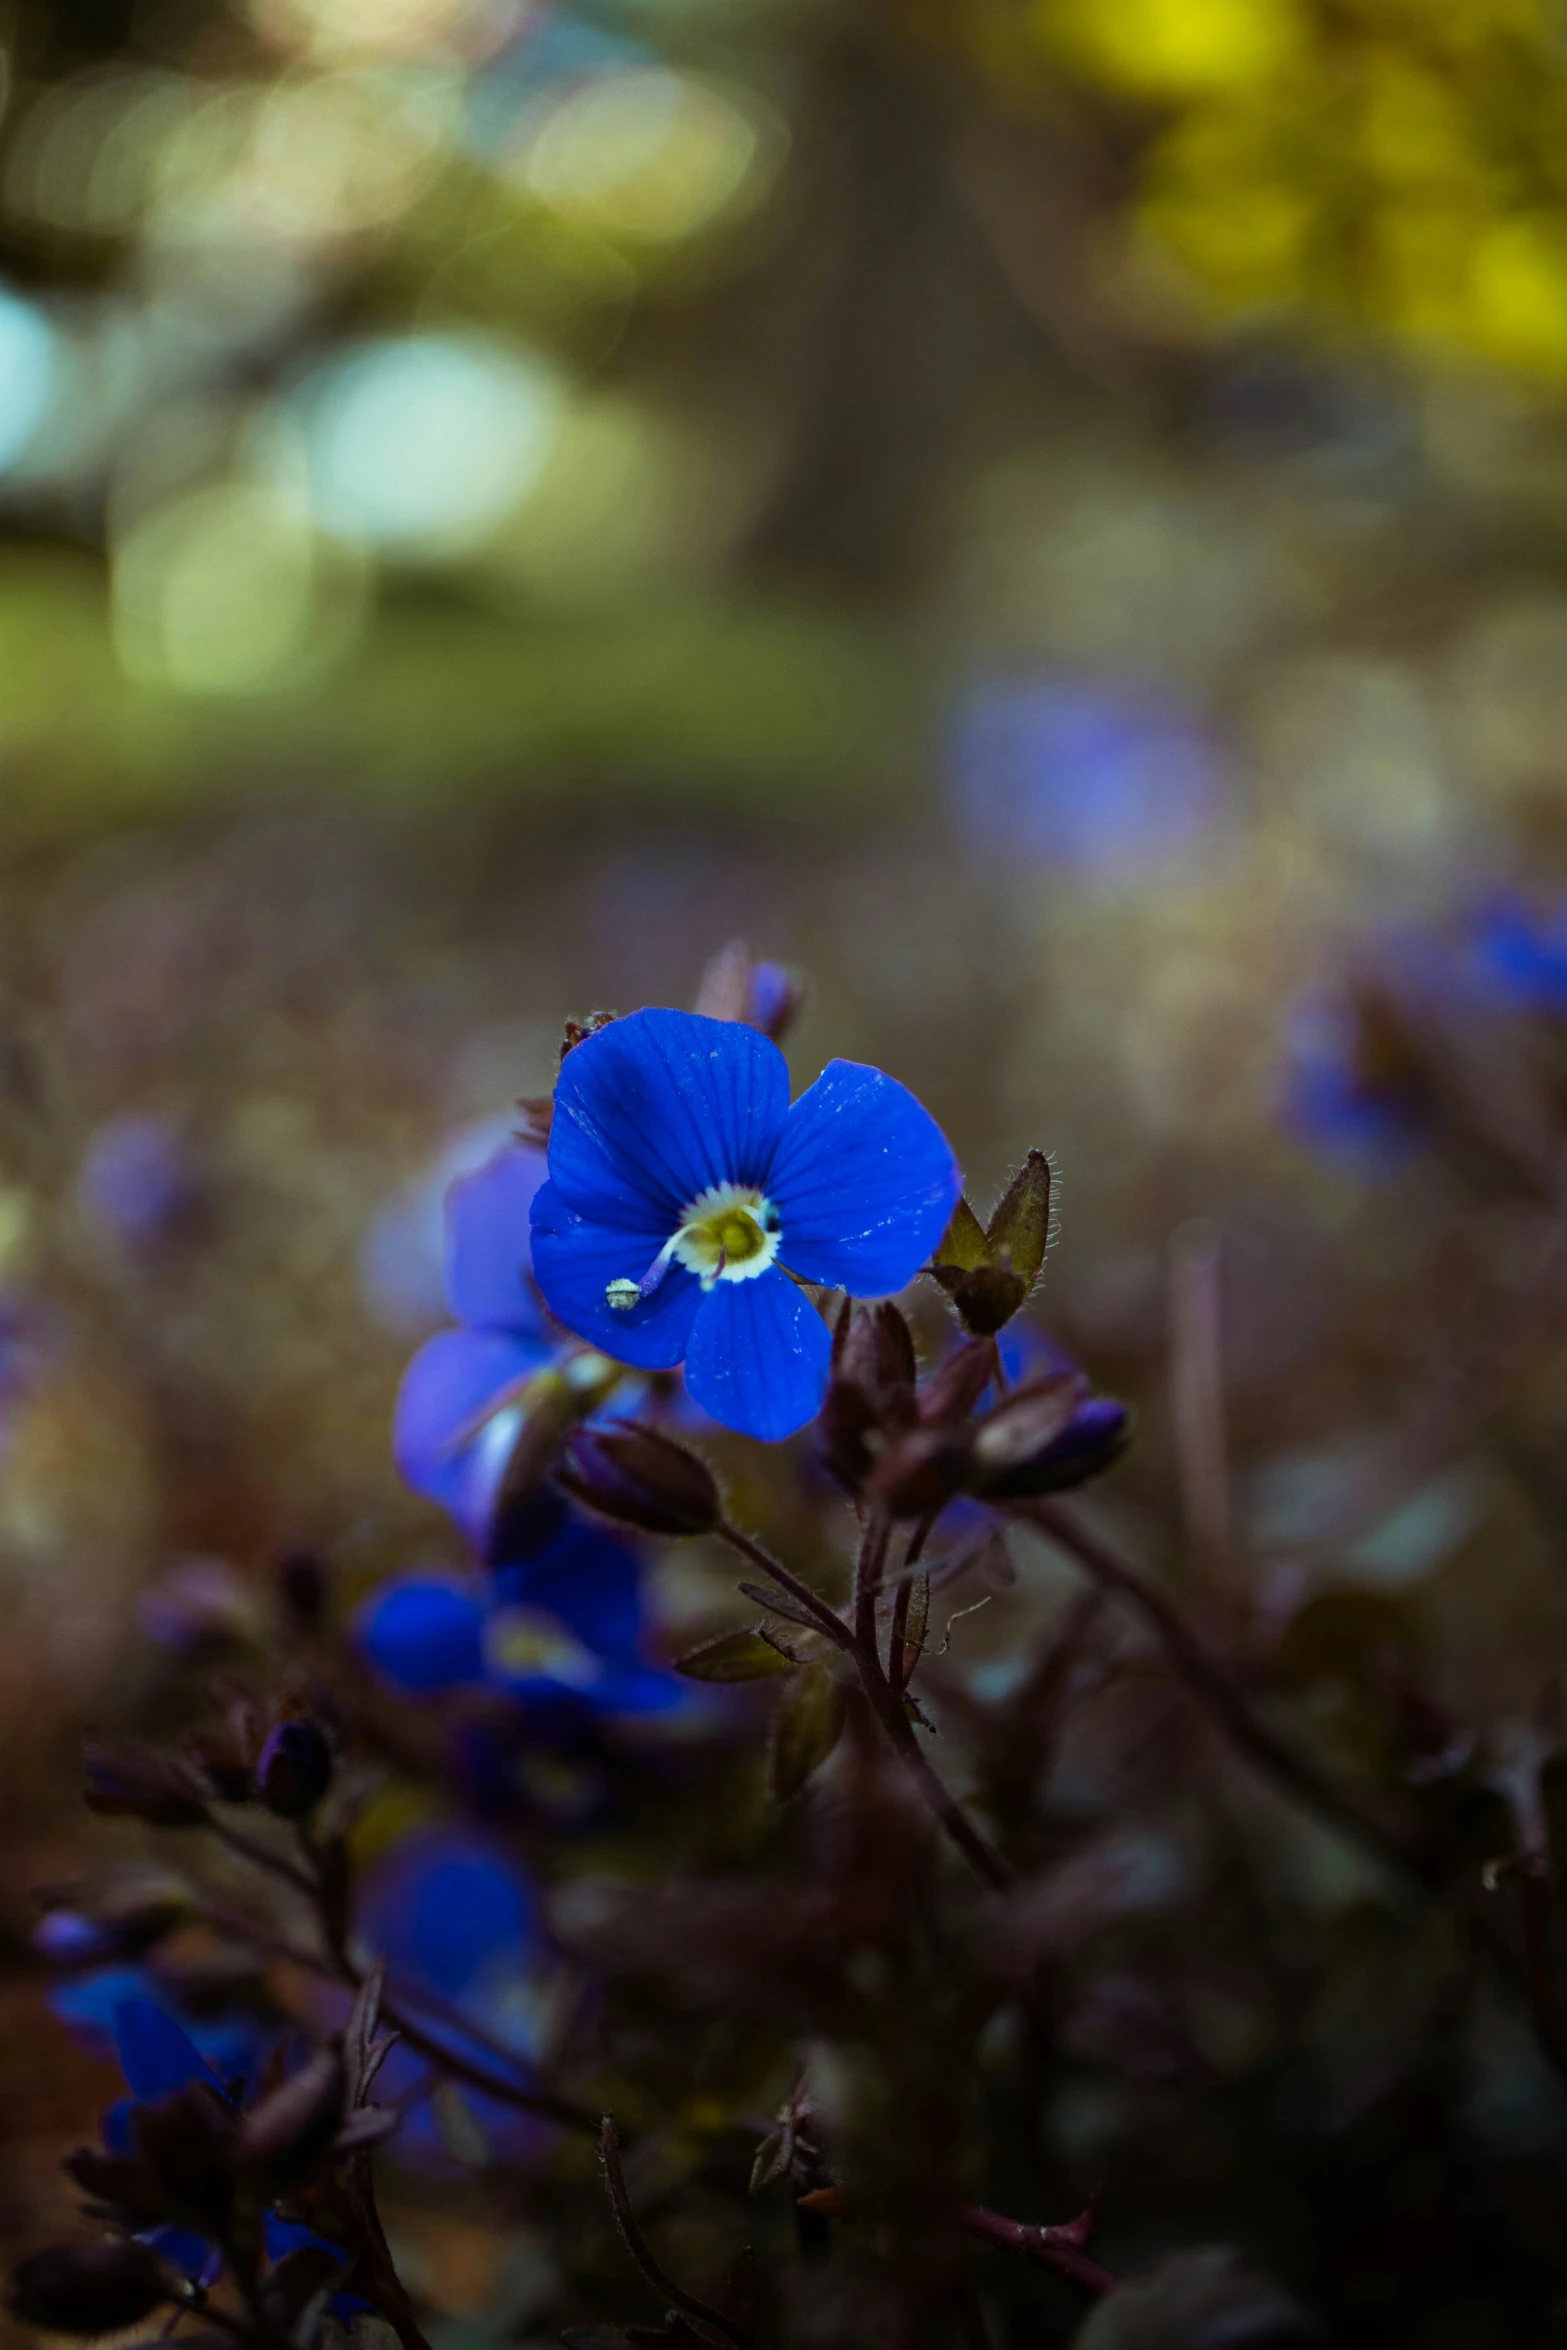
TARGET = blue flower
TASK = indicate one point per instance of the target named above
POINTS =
(158, 2058)
(562, 1628)
(685, 1191)
(230, 2048)
(467, 1392)
(137, 1180)
(1115, 781)
(404, 1255)
(1522, 955)
(458, 1926)
(1347, 1090)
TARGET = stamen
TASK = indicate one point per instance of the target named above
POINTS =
(624, 1293)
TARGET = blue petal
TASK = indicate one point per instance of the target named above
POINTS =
(657, 1108)
(446, 1390)
(191, 2254)
(487, 1243)
(443, 1907)
(575, 1260)
(587, 1579)
(156, 2054)
(423, 1634)
(864, 1182)
(289, 2235)
(759, 1356)
(640, 1689)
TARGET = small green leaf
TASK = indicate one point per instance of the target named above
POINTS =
(772, 2160)
(805, 1730)
(800, 1647)
(777, 1603)
(1019, 1232)
(734, 1656)
(963, 1245)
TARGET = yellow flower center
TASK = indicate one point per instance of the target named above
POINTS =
(730, 1232)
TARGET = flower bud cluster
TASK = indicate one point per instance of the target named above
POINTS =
(286, 1766)
(912, 1447)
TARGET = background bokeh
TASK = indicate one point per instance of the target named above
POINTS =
(1050, 518)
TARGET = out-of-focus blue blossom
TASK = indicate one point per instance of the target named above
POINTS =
(402, 1261)
(457, 1924)
(158, 2057)
(563, 1629)
(774, 996)
(685, 1192)
(1340, 1094)
(137, 1181)
(232, 2047)
(1112, 780)
(468, 1391)
(1521, 954)
(70, 1939)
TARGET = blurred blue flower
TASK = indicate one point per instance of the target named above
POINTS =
(468, 1392)
(233, 2047)
(158, 2057)
(1521, 954)
(402, 1261)
(457, 1924)
(685, 1192)
(1342, 1094)
(564, 1628)
(137, 1180)
(1118, 780)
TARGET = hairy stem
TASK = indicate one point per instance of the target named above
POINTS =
(824, 1617)
(637, 2245)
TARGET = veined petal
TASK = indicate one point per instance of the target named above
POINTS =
(759, 1356)
(423, 1633)
(488, 1242)
(864, 1182)
(575, 1259)
(659, 1107)
(442, 1440)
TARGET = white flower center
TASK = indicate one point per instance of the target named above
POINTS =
(523, 1643)
(730, 1232)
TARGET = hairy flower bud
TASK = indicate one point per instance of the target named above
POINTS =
(952, 1391)
(294, 1770)
(93, 2288)
(639, 1477)
(873, 1349)
(142, 1783)
(989, 1270)
(919, 1473)
(1046, 1438)
(870, 1394)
